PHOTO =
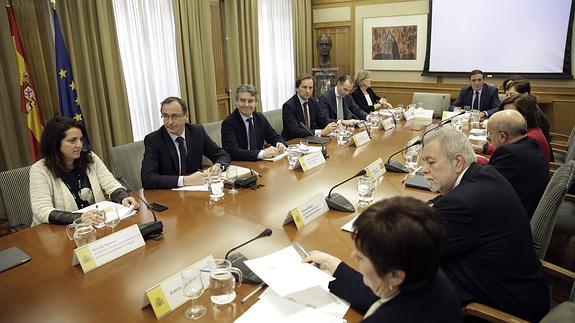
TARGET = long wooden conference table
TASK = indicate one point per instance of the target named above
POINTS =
(49, 289)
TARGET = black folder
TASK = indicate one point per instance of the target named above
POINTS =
(12, 257)
(417, 181)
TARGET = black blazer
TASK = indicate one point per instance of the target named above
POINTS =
(523, 165)
(437, 303)
(235, 138)
(328, 108)
(160, 165)
(488, 101)
(292, 114)
(488, 253)
(360, 100)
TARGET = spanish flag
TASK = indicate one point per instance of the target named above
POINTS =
(29, 101)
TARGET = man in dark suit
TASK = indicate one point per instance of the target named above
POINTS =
(300, 113)
(244, 131)
(518, 158)
(478, 95)
(336, 104)
(488, 254)
(176, 149)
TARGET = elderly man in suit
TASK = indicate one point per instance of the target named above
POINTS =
(488, 253)
(176, 149)
(517, 157)
(301, 113)
(336, 104)
(245, 130)
(478, 95)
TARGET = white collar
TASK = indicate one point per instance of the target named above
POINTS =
(460, 177)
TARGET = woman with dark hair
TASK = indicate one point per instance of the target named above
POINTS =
(69, 178)
(398, 249)
(364, 96)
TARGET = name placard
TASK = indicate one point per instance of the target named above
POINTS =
(311, 161)
(361, 138)
(447, 114)
(167, 295)
(388, 124)
(423, 114)
(102, 251)
(307, 211)
(376, 169)
(409, 114)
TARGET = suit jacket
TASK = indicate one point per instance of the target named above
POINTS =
(292, 114)
(488, 253)
(436, 303)
(328, 108)
(235, 138)
(488, 101)
(160, 166)
(360, 100)
(523, 165)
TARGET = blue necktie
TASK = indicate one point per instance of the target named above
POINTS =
(252, 135)
(475, 104)
(182, 148)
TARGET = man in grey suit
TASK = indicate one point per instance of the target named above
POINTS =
(336, 104)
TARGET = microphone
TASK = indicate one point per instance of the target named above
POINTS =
(237, 260)
(314, 139)
(338, 202)
(397, 167)
(360, 121)
(441, 124)
(151, 229)
(391, 113)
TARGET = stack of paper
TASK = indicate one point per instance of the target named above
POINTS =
(298, 291)
(123, 211)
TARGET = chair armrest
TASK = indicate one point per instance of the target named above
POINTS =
(557, 271)
(488, 313)
(569, 197)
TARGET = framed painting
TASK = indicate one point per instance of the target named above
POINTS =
(394, 43)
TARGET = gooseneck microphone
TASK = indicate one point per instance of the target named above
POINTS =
(338, 202)
(315, 139)
(397, 167)
(360, 121)
(151, 229)
(441, 124)
(390, 113)
(237, 260)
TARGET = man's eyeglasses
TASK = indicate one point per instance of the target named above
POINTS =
(167, 117)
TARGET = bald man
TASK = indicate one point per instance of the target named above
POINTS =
(517, 157)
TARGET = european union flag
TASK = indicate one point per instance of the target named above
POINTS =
(69, 101)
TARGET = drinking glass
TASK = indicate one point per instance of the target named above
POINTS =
(232, 175)
(193, 288)
(304, 145)
(341, 135)
(467, 108)
(412, 158)
(350, 132)
(111, 217)
(397, 112)
(293, 154)
(457, 109)
(365, 188)
(474, 118)
(216, 186)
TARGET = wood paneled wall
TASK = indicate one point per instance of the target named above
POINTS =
(340, 34)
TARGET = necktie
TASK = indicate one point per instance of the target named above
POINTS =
(475, 103)
(306, 114)
(251, 135)
(339, 108)
(182, 148)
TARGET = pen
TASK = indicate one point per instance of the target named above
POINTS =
(405, 178)
(253, 292)
(305, 253)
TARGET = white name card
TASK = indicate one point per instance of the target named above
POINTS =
(447, 114)
(307, 211)
(423, 114)
(102, 251)
(311, 161)
(376, 169)
(361, 138)
(409, 114)
(168, 295)
(388, 124)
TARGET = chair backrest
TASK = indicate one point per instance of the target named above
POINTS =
(127, 163)
(275, 119)
(562, 313)
(214, 130)
(438, 102)
(502, 96)
(545, 215)
(15, 190)
(571, 146)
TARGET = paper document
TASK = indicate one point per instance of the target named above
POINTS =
(123, 211)
(477, 137)
(317, 297)
(285, 273)
(311, 149)
(192, 188)
(349, 225)
(243, 172)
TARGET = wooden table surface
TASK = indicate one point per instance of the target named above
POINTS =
(49, 289)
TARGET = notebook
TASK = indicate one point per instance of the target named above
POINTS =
(12, 257)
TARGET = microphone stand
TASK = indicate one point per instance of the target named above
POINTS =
(338, 202)
(321, 142)
(360, 121)
(237, 260)
(151, 229)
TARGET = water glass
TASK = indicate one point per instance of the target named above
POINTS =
(474, 118)
(411, 160)
(81, 231)
(222, 281)
(350, 132)
(304, 145)
(193, 288)
(111, 217)
(374, 120)
(293, 154)
(365, 188)
(467, 108)
(232, 175)
(341, 135)
(397, 112)
(216, 186)
(457, 109)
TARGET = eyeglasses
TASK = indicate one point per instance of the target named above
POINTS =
(167, 117)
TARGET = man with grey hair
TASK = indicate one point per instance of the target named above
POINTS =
(337, 105)
(517, 157)
(488, 253)
(245, 130)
